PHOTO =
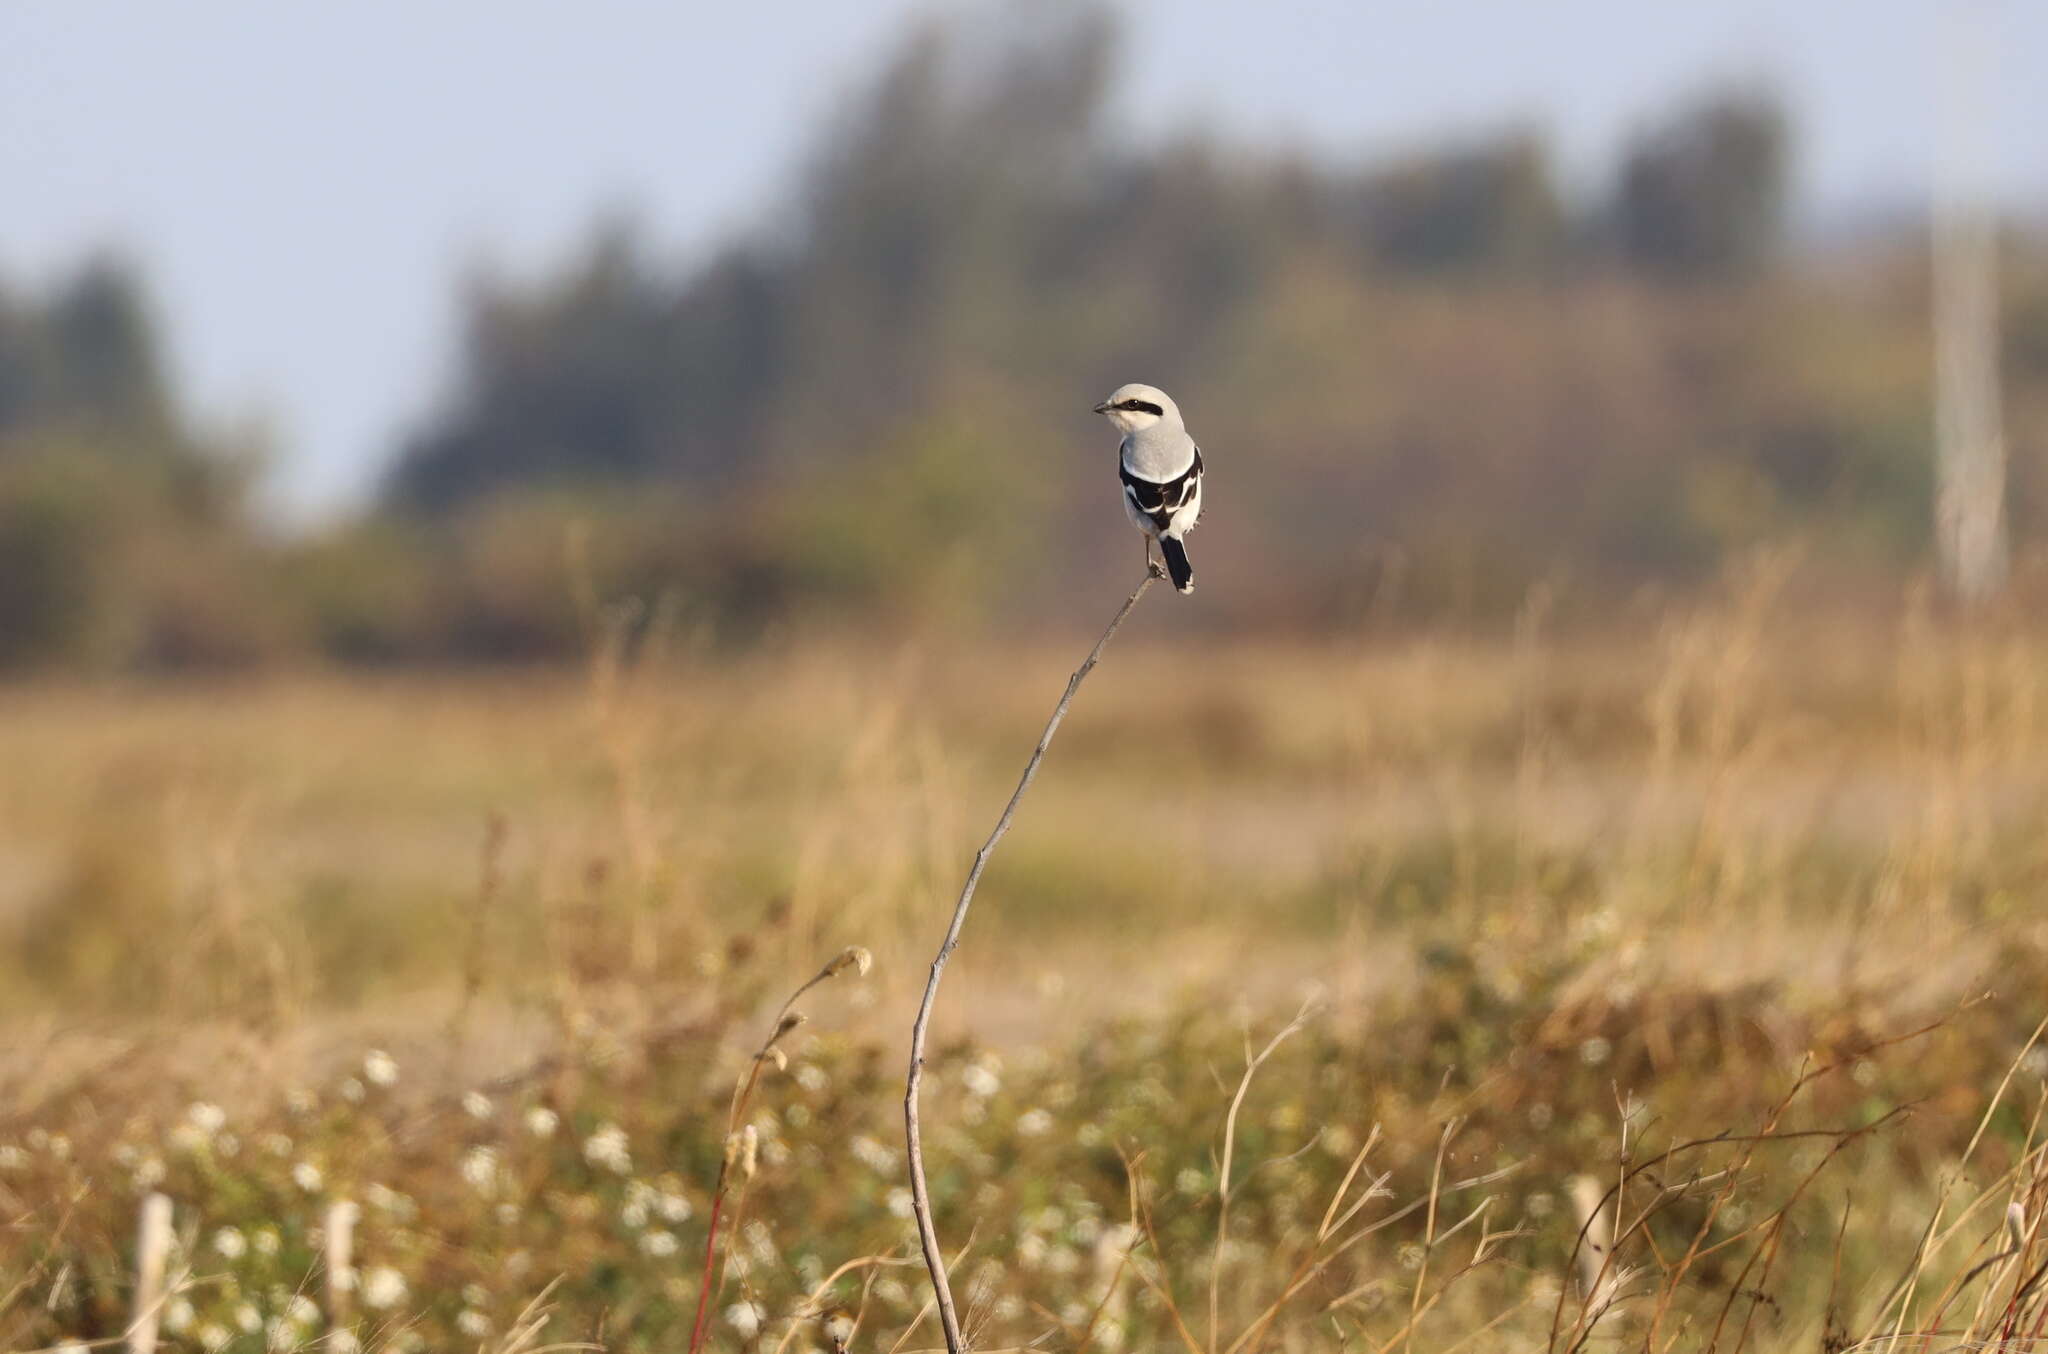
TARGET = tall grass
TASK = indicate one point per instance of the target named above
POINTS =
(1677, 983)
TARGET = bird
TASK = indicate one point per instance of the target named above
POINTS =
(1161, 468)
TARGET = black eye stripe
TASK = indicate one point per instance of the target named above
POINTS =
(1143, 406)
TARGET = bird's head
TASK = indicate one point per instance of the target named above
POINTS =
(1136, 407)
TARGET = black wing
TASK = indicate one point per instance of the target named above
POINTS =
(1160, 501)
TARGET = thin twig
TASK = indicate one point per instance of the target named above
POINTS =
(920, 1197)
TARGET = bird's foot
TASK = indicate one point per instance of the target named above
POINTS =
(1155, 568)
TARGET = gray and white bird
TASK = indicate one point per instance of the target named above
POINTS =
(1162, 473)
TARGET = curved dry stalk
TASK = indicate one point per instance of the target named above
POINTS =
(814, 1304)
(1244, 1084)
(920, 1197)
(853, 957)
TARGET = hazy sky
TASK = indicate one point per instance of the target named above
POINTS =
(304, 180)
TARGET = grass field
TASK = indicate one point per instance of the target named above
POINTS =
(1725, 913)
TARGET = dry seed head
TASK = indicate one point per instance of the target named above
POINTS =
(2016, 1225)
(855, 957)
(838, 1328)
(750, 1152)
(789, 1022)
(778, 1057)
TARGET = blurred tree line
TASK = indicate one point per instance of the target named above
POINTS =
(124, 535)
(1434, 379)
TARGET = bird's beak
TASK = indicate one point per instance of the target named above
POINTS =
(1102, 408)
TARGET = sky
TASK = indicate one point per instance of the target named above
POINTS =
(304, 184)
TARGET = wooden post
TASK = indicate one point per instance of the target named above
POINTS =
(152, 1249)
(1969, 505)
(341, 1274)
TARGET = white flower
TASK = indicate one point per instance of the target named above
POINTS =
(541, 1121)
(659, 1244)
(342, 1340)
(473, 1323)
(382, 1196)
(277, 1144)
(212, 1336)
(383, 1288)
(761, 1243)
(352, 1091)
(267, 1241)
(476, 1295)
(380, 1067)
(811, 1077)
(150, 1173)
(608, 1148)
(230, 1243)
(178, 1315)
(1595, 1051)
(873, 1155)
(507, 1213)
(206, 1117)
(307, 1177)
(675, 1207)
(248, 1318)
(302, 1310)
(281, 1335)
(901, 1203)
(480, 1168)
(981, 1080)
(745, 1317)
(633, 1214)
(477, 1105)
(12, 1158)
(1033, 1122)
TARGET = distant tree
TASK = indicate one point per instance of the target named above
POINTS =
(1703, 195)
(123, 529)
(611, 373)
(916, 236)
(89, 352)
(1489, 206)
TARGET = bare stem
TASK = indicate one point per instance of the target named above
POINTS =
(934, 1259)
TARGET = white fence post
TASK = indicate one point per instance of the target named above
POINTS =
(152, 1249)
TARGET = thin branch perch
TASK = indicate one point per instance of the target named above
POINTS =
(928, 1234)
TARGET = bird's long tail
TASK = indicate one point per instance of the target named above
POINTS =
(1182, 572)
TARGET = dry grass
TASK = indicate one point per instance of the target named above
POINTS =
(1731, 909)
